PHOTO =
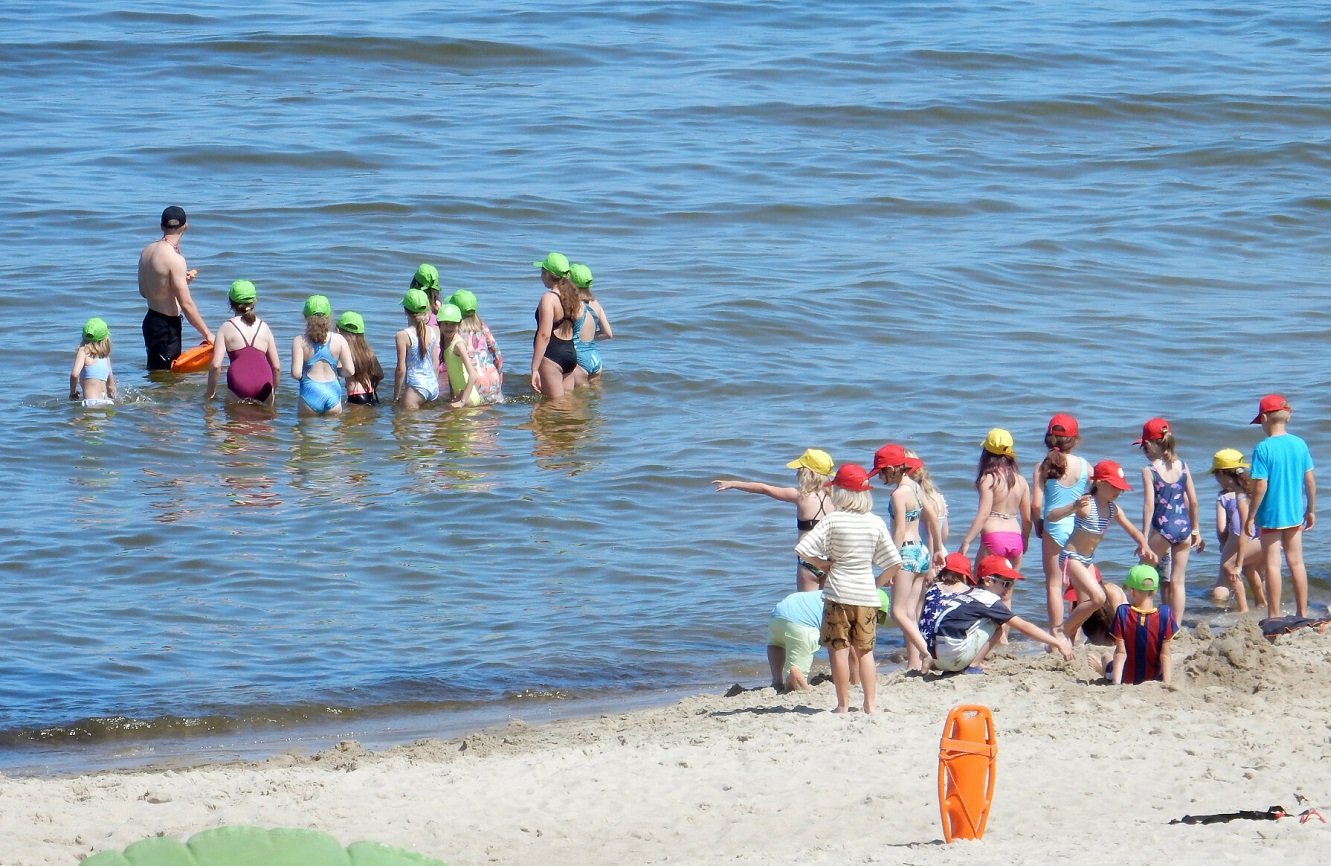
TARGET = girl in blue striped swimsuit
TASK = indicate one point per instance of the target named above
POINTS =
(1092, 514)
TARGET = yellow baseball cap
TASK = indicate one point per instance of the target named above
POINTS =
(999, 441)
(818, 461)
(1228, 458)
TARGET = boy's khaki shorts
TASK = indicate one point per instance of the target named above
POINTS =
(848, 625)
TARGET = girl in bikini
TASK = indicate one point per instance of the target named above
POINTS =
(317, 357)
(1060, 479)
(1003, 518)
(92, 366)
(362, 388)
(591, 324)
(247, 343)
(1169, 508)
(908, 508)
(813, 502)
(416, 378)
(1240, 554)
(919, 473)
(1092, 515)
(553, 356)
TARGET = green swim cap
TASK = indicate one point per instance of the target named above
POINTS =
(450, 313)
(581, 275)
(351, 322)
(95, 330)
(426, 277)
(415, 301)
(1142, 577)
(555, 263)
(464, 301)
(242, 292)
(317, 305)
(884, 601)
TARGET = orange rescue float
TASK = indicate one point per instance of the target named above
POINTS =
(193, 360)
(966, 757)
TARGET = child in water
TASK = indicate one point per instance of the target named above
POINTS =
(1092, 515)
(591, 324)
(247, 343)
(92, 366)
(457, 360)
(416, 379)
(363, 387)
(813, 471)
(1060, 479)
(1169, 507)
(486, 358)
(914, 527)
(317, 357)
(1240, 554)
(1003, 518)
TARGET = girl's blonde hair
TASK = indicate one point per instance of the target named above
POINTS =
(922, 477)
(316, 329)
(810, 482)
(1166, 445)
(855, 501)
(98, 348)
(421, 322)
(470, 324)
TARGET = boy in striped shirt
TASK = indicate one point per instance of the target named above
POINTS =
(1142, 631)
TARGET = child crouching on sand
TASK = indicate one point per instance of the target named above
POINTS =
(792, 639)
(850, 544)
(967, 627)
(1142, 631)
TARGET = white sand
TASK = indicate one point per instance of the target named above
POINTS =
(1085, 771)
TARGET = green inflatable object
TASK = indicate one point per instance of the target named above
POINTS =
(255, 846)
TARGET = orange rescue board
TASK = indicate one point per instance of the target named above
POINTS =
(966, 757)
(194, 359)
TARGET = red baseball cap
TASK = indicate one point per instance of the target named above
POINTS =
(1062, 425)
(1271, 403)
(996, 566)
(957, 563)
(1111, 473)
(1153, 430)
(851, 476)
(890, 457)
(913, 463)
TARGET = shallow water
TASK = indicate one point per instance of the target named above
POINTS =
(833, 226)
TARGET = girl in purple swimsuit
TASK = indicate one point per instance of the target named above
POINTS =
(246, 341)
(1169, 508)
(1240, 553)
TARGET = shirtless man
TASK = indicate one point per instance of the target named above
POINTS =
(164, 284)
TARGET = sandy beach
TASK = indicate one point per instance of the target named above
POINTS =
(1085, 770)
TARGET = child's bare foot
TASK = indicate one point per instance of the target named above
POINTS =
(840, 710)
(868, 709)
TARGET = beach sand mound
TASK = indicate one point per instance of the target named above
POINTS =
(1241, 658)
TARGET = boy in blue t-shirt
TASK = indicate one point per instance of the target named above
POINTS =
(1283, 501)
(1142, 631)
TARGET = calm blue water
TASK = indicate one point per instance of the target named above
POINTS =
(828, 226)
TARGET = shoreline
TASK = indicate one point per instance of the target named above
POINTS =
(758, 777)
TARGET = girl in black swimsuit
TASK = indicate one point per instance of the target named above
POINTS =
(553, 357)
